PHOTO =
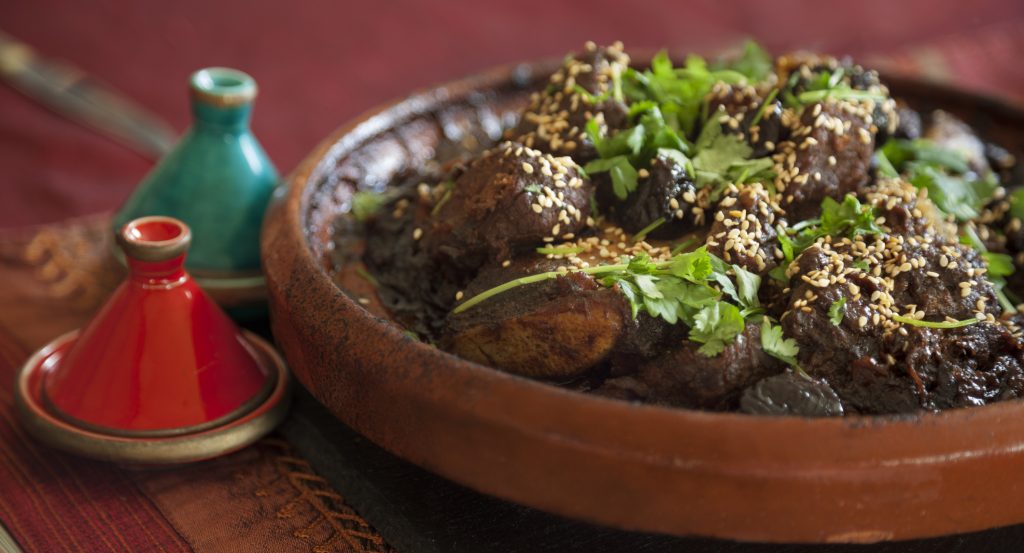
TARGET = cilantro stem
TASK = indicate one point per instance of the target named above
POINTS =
(444, 199)
(540, 277)
(368, 277)
(764, 107)
(684, 245)
(812, 96)
(567, 250)
(648, 229)
(934, 324)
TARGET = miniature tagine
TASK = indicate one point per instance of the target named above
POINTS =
(161, 374)
(217, 180)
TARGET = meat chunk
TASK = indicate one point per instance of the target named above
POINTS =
(906, 210)
(666, 193)
(871, 359)
(555, 120)
(828, 156)
(741, 110)
(909, 126)
(686, 378)
(556, 329)
(804, 72)
(509, 200)
(961, 367)
(948, 131)
(790, 393)
(744, 229)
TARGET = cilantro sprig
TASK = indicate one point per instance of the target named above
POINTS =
(754, 63)
(951, 183)
(847, 219)
(714, 299)
(999, 265)
(824, 84)
(837, 311)
(718, 158)
(774, 343)
(667, 105)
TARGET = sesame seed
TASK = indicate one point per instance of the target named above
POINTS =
(417, 234)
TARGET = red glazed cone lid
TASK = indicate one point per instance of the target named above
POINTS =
(160, 357)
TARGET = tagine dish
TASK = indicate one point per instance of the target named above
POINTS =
(774, 236)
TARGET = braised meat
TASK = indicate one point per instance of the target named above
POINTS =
(869, 360)
(829, 155)
(508, 200)
(556, 119)
(554, 330)
(667, 194)
(948, 131)
(686, 378)
(741, 110)
(744, 229)
(784, 240)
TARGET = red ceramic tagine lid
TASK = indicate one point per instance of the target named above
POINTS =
(160, 374)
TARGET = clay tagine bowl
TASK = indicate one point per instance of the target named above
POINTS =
(636, 467)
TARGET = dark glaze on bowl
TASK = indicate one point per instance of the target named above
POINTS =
(639, 467)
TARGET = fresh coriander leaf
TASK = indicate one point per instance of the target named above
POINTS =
(944, 172)
(533, 188)
(692, 266)
(779, 273)
(675, 156)
(755, 63)
(627, 290)
(885, 167)
(1017, 203)
(747, 285)
(648, 285)
(962, 197)
(847, 219)
(716, 326)
(837, 311)
(624, 176)
(999, 264)
(774, 344)
(900, 152)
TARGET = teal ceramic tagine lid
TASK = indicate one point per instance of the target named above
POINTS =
(218, 180)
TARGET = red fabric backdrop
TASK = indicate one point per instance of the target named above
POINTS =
(321, 62)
